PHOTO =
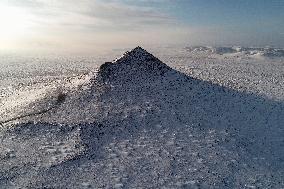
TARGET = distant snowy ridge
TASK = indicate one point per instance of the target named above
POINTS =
(263, 51)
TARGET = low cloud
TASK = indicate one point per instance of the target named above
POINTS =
(94, 13)
(96, 22)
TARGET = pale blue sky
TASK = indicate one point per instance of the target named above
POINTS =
(98, 24)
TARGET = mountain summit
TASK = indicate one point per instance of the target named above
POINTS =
(137, 54)
(135, 65)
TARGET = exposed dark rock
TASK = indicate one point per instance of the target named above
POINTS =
(134, 65)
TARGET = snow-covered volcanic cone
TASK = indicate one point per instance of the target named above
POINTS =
(138, 123)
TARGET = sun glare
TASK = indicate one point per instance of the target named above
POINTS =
(14, 23)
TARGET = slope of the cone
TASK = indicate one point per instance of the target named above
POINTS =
(137, 115)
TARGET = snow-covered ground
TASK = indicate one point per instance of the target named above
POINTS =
(207, 118)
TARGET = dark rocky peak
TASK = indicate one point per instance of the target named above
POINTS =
(136, 55)
(136, 64)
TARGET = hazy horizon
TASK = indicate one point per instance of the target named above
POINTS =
(96, 25)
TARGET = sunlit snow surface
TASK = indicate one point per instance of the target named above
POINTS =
(216, 120)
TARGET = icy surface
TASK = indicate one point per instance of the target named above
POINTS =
(203, 120)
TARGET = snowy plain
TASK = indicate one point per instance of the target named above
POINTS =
(213, 119)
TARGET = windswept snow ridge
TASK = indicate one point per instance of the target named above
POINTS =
(138, 123)
(266, 52)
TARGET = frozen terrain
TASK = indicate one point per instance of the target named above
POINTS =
(208, 118)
